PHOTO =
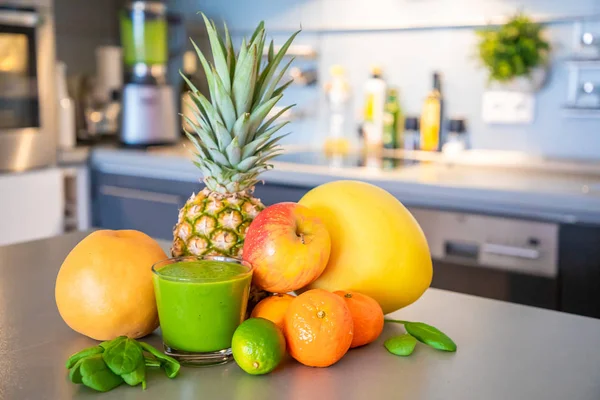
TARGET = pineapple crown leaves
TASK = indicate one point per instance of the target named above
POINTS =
(233, 141)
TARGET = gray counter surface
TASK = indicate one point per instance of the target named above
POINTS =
(563, 197)
(505, 351)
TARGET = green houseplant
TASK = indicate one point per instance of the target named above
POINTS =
(514, 50)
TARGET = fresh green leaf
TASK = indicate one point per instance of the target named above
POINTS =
(211, 113)
(247, 163)
(252, 147)
(151, 362)
(268, 123)
(233, 152)
(230, 51)
(219, 56)
(206, 67)
(514, 49)
(272, 143)
(402, 345)
(271, 53)
(169, 364)
(123, 357)
(189, 83)
(274, 82)
(75, 372)
(171, 369)
(430, 335)
(259, 28)
(136, 376)
(267, 73)
(223, 99)
(259, 114)
(82, 354)
(96, 375)
(244, 81)
(223, 136)
(240, 128)
(281, 88)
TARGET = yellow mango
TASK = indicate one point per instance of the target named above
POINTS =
(377, 247)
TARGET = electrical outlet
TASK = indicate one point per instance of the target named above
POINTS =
(504, 107)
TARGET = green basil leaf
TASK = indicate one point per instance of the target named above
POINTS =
(401, 345)
(430, 335)
(136, 377)
(96, 375)
(75, 372)
(82, 354)
(123, 357)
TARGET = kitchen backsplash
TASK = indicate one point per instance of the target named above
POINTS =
(81, 26)
(358, 33)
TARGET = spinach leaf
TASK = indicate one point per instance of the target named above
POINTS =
(82, 354)
(171, 369)
(136, 377)
(402, 345)
(151, 362)
(96, 375)
(75, 372)
(169, 364)
(110, 343)
(430, 335)
(123, 356)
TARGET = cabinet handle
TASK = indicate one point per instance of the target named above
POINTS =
(137, 194)
(511, 251)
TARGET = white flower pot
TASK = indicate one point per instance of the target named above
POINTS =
(524, 84)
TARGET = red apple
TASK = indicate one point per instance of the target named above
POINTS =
(288, 246)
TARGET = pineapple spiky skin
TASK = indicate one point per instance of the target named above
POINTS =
(214, 224)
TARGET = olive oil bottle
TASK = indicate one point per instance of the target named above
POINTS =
(431, 117)
(393, 121)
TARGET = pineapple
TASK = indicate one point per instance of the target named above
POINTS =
(234, 142)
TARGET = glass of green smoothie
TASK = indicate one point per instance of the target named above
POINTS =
(201, 301)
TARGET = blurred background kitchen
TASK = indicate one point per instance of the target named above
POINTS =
(481, 116)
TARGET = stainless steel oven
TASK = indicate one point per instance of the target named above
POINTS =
(27, 93)
(502, 258)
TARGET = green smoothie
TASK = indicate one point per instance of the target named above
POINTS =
(201, 303)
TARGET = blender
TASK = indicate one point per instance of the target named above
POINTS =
(149, 115)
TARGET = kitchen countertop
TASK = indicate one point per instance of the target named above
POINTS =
(568, 195)
(505, 351)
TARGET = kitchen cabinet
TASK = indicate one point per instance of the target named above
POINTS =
(151, 205)
(579, 251)
(31, 205)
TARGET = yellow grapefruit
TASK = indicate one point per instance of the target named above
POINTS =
(104, 287)
(377, 247)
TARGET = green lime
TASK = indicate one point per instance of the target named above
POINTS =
(258, 346)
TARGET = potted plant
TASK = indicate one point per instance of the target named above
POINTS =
(515, 54)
